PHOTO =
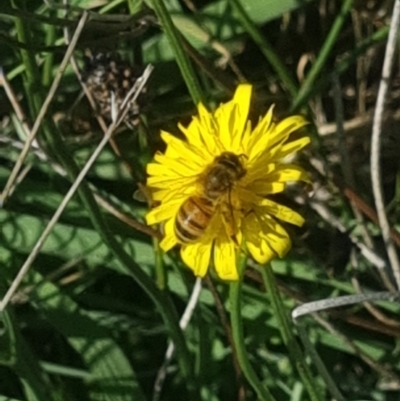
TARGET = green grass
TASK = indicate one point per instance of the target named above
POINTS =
(95, 312)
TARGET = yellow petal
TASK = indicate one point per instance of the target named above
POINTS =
(261, 187)
(291, 147)
(170, 183)
(178, 196)
(268, 156)
(201, 133)
(248, 196)
(183, 167)
(258, 140)
(231, 118)
(188, 154)
(265, 238)
(257, 170)
(288, 173)
(251, 229)
(242, 100)
(157, 169)
(257, 247)
(225, 119)
(197, 257)
(169, 240)
(163, 212)
(192, 133)
(262, 254)
(275, 237)
(206, 120)
(244, 147)
(208, 129)
(287, 126)
(225, 258)
(284, 213)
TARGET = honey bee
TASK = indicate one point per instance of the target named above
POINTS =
(196, 212)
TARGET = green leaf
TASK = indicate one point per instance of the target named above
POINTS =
(20, 232)
(35, 383)
(215, 24)
(113, 378)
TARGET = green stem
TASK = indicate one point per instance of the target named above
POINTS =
(266, 49)
(342, 66)
(161, 299)
(32, 75)
(237, 333)
(182, 59)
(375, 39)
(288, 337)
(318, 363)
(161, 280)
(326, 49)
(49, 59)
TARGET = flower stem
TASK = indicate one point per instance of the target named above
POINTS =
(182, 59)
(161, 280)
(237, 333)
(295, 353)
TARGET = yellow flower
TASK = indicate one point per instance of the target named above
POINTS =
(246, 166)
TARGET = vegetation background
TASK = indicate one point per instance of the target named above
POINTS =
(94, 313)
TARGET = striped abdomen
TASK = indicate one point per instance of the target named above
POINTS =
(193, 218)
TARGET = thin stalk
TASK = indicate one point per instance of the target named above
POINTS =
(49, 59)
(32, 75)
(342, 66)
(376, 141)
(376, 38)
(238, 339)
(266, 49)
(182, 59)
(288, 337)
(326, 49)
(161, 280)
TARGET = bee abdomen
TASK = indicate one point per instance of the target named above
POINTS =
(193, 219)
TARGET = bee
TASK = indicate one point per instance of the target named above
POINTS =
(196, 212)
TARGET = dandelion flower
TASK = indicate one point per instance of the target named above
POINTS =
(212, 189)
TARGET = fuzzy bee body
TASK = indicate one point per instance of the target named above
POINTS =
(193, 218)
(195, 214)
